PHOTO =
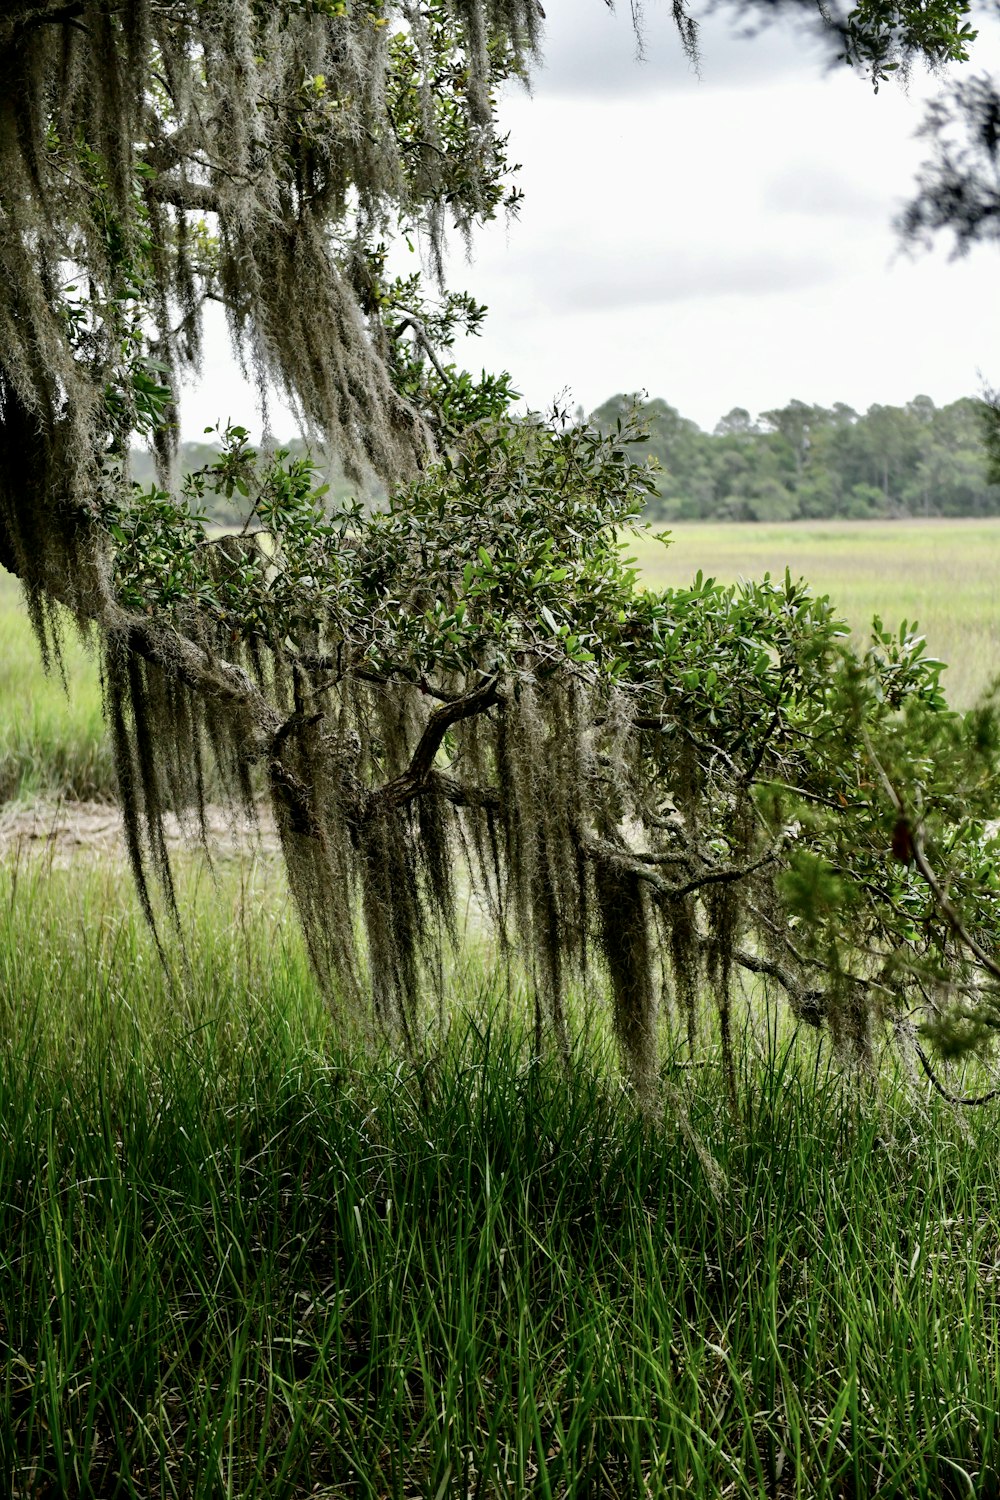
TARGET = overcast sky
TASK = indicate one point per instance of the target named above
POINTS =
(717, 241)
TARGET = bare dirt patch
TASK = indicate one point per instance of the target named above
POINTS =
(67, 831)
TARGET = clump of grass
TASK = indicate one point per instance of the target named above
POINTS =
(237, 1260)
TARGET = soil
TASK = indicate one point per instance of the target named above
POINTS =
(66, 831)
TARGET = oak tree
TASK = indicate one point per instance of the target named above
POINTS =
(683, 786)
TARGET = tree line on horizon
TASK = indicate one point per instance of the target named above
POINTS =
(806, 462)
(796, 462)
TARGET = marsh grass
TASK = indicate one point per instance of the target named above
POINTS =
(942, 574)
(52, 739)
(237, 1260)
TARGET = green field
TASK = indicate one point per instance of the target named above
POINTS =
(244, 1258)
(943, 574)
(52, 739)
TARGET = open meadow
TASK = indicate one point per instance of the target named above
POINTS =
(943, 574)
(242, 1255)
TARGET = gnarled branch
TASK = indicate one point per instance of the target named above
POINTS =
(413, 781)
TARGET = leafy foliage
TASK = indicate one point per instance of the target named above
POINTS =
(884, 38)
(687, 782)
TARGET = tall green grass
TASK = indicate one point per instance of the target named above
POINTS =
(52, 738)
(238, 1260)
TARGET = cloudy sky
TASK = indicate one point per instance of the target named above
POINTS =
(718, 240)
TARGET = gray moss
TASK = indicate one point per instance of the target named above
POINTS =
(249, 152)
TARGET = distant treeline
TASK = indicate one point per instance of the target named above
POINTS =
(802, 462)
(797, 462)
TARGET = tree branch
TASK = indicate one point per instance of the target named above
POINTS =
(808, 1005)
(411, 321)
(416, 777)
(181, 193)
(460, 795)
(165, 647)
(951, 915)
(34, 14)
(606, 853)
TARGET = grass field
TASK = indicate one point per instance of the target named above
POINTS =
(237, 1260)
(943, 574)
(52, 741)
(244, 1258)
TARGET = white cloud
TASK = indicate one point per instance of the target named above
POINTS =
(805, 186)
(574, 280)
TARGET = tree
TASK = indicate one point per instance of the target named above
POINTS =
(709, 775)
(803, 461)
(736, 423)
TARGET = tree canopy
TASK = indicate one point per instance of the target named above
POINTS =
(689, 785)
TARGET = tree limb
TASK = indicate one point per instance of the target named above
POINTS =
(412, 321)
(808, 1005)
(415, 778)
(181, 193)
(606, 853)
(459, 794)
(34, 14)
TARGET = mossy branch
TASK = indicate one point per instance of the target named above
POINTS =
(414, 780)
(641, 867)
